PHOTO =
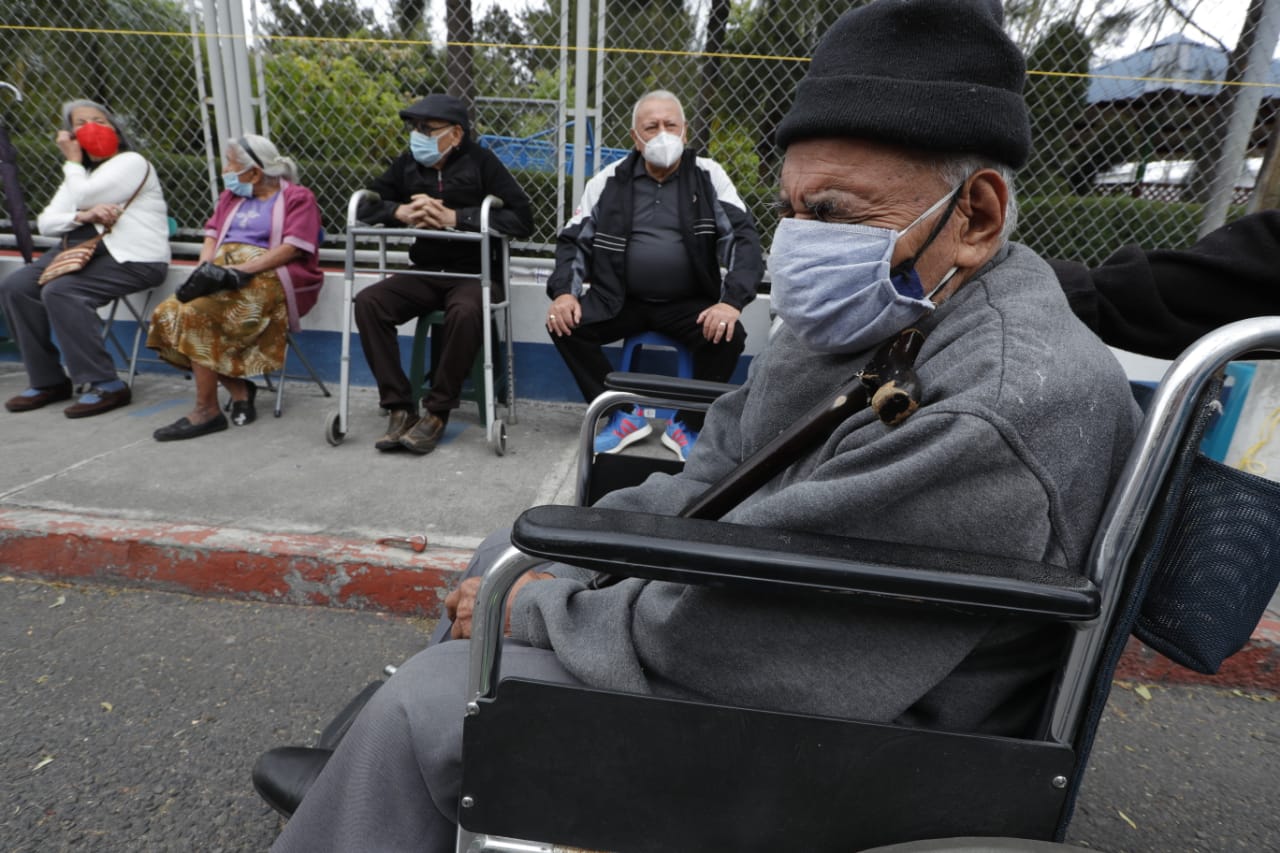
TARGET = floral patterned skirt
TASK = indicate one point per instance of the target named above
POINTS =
(232, 332)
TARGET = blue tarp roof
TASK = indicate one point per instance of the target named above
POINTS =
(1176, 63)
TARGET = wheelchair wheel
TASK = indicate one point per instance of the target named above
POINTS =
(498, 437)
(333, 429)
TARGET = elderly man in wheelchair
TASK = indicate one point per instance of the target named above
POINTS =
(998, 424)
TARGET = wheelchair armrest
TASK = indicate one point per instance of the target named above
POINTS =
(670, 387)
(714, 553)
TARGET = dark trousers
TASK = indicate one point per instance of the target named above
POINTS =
(381, 307)
(583, 354)
(67, 308)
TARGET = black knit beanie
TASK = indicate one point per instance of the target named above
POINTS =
(938, 75)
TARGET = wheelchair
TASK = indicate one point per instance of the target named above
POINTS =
(337, 423)
(1186, 556)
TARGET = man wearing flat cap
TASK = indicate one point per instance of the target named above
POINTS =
(439, 183)
(897, 194)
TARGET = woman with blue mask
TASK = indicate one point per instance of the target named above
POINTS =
(224, 329)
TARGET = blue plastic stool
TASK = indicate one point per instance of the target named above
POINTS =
(684, 359)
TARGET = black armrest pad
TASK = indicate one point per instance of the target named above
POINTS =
(685, 550)
(672, 387)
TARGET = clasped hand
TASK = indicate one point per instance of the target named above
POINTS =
(102, 214)
(461, 603)
(423, 211)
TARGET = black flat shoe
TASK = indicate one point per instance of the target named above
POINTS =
(242, 411)
(282, 776)
(183, 428)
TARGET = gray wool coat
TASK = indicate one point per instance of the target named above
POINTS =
(1026, 419)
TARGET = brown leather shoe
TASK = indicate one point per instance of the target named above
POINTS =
(36, 398)
(399, 422)
(98, 401)
(424, 436)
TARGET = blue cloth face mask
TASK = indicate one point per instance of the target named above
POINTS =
(834, 288)
(425, 149)
(231, 180)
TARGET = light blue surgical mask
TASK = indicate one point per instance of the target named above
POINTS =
(425, 149)
(231, 180)
(834, 288)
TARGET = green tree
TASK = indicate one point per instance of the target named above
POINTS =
(1056, 98)
(323, 19)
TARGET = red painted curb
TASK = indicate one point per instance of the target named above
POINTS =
(1256, 667)
(286, 568)
(338, 572)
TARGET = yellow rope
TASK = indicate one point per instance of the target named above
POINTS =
(695, 54)
(1247, 461)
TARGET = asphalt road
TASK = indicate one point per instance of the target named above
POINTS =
(130, 720)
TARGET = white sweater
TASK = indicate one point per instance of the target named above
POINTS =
(142, 231)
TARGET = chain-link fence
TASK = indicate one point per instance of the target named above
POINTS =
(1137, 138)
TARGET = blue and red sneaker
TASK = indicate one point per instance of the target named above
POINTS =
(622, 429)
(680, 439)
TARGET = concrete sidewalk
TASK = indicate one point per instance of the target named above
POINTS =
(272, 512)
(269, 511)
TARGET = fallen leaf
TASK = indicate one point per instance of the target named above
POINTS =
(42, 679)
(62, 599)
(1126, 819)
(42, 762)
(107, 706)
(1142, 691)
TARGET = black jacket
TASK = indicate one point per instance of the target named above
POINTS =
(469, 174)
(1158, 302)
(716, 227)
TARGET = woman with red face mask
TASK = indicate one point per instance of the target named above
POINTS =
(106, 187)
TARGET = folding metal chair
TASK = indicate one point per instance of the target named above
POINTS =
(607, 771)
(140, 313)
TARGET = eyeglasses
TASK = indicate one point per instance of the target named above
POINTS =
(424, 126)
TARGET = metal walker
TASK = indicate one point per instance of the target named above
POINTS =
(336, 424)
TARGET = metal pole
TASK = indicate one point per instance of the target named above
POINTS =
(600, 42)
(259, 61)
(562, 116)
(210, 151)
(239, 82)
(580, 82)
(233, 125)
(217, 80)
(1244, 112)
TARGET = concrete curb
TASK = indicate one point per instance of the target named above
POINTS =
(1256, 667)
(281, 568)
(338, 572)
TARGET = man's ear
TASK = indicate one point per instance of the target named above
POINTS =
(635, 139)
(981, 209)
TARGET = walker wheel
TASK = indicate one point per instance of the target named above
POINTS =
(333, 429)
(498, 437)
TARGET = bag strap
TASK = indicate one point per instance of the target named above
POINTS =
(108, 229)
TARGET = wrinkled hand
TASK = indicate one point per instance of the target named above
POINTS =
(461, 603)
(423, 211)
(718, 322)
(69, 147)
(564, 315)
(436, 215)
(103, 214)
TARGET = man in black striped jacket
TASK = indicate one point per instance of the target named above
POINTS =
(650, 235)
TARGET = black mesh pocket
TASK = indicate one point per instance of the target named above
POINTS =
(1217, 569)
